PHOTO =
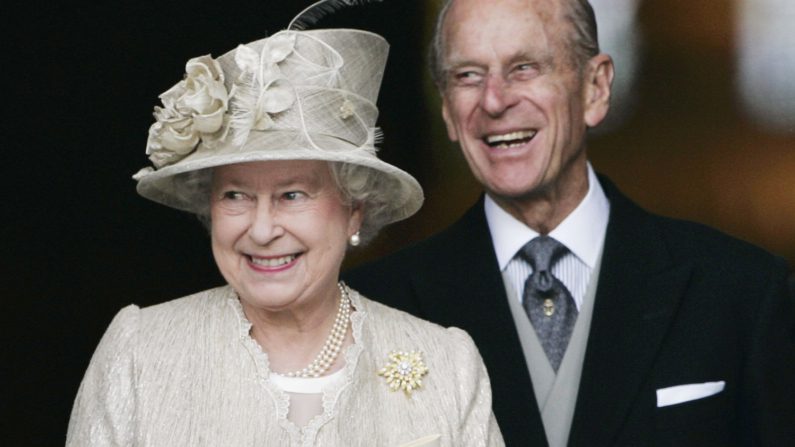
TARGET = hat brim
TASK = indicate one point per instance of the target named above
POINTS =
(165, 185)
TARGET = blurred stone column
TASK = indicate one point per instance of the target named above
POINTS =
(620, 37)
(766, 62)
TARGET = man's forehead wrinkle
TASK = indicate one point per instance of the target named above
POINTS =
(472, 38)
(536, 48)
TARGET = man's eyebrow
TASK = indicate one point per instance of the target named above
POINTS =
(456, 64)
(546, 59)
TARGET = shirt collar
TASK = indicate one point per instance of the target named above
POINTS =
(582, 231)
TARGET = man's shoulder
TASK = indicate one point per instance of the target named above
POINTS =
(711, 246)
(429, 251)
(684, 239)
(391, 279)
(713, 251)
(400, 263)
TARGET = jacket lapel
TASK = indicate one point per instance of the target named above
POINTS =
(478, 304)
(638, 293)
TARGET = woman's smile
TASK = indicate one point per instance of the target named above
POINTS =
(273, 263)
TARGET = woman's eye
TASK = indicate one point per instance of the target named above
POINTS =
(293, 195)
(233, 195)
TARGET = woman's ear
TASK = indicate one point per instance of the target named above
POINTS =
(598, 80)
(357, 217)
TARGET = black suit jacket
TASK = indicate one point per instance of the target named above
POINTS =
(677, 303)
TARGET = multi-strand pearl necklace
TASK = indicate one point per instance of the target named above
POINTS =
(333, 345)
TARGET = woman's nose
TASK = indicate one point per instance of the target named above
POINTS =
(265, 224)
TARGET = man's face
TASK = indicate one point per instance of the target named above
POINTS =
(513, 98)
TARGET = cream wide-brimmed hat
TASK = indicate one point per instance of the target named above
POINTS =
(296, 95)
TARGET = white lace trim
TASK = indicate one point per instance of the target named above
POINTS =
(331, 394)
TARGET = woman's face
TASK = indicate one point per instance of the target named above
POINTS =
(279, 232)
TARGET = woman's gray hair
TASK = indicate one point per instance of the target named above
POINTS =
(583, 41)
(368, 189)
(359, 186)
(194, 187)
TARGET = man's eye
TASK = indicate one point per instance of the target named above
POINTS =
(526, 69)
(467, 77)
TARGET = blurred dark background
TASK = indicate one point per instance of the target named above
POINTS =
(688, 139)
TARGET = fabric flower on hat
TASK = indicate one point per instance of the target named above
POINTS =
(193, 110)
(261, 90)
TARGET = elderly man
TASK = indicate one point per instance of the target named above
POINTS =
(600, 324)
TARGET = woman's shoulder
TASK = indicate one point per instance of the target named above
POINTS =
(397, 326)
(172, 315)
(453, 366)
(197, 302)
(153, 336)
(387, 315)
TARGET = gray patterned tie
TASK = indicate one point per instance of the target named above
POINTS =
(547, 301)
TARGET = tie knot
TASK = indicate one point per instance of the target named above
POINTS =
(541, 252)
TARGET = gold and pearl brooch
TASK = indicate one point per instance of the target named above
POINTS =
(404, 371)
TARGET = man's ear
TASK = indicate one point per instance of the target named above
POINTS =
(452, 133)
(598, 78)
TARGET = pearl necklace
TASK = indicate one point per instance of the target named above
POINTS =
(331, 348)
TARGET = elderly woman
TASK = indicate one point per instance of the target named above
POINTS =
(272, 144)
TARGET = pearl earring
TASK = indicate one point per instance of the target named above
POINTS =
(355, 239)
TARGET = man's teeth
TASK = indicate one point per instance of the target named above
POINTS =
(510, 139)
(273, 262)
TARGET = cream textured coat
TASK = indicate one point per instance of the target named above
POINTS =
(187, 373)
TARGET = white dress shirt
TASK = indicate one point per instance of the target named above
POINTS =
(582, 232)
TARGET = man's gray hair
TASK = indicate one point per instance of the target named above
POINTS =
(583, 41)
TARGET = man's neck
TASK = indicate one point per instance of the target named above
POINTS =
(544, 210)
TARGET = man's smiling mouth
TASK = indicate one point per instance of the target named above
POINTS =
(510, 139)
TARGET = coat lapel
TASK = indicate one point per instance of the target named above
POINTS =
(478, 304)
(638, 293)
